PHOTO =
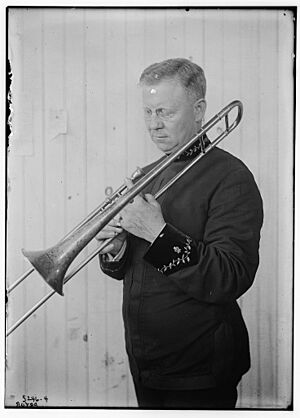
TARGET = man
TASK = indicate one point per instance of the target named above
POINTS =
(187, 257)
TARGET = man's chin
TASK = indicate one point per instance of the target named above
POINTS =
(165, 148)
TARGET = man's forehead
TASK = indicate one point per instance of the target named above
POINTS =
(169, 88)
(162, 82)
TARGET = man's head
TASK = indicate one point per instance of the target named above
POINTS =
(174, 101)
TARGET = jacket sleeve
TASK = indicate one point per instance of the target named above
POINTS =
(221, 267)
(115, 269)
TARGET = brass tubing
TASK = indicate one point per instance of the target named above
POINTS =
(66, 279)
(53, 262)
(138, 173)
(20, 279)
(81, 238)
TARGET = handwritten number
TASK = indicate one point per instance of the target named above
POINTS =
(34, 401)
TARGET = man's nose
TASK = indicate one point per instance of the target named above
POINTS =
(155, 122)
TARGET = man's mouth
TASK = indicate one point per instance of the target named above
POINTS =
(159, 136)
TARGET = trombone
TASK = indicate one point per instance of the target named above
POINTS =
(52, 264)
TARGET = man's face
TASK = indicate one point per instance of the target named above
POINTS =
(171, 116)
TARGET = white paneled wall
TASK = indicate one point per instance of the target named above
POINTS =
(78, 129)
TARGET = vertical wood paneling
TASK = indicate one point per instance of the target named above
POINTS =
(135, 42)
(77, 369)
(214, 65)
(83, 66)
(284, 264)
(214, 60)
(175, 28)
(135, 62)
(231, 72)
(95, 47)
(34, 208)
(155, 51)
(115, 171)
(16, 366)
(53, 99)
(269, 189)
(249, 74)
(194, 35)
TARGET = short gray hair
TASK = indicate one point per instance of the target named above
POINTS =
(189, 74)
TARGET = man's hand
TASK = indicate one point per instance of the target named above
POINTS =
(142, 217)
(112, 229)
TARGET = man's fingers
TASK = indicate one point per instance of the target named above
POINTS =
(108, 233)
(107, 249)
(151, 199)
(115, 221)
(116, 227)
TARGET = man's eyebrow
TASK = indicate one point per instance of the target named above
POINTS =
(160, 108)
(157, 108)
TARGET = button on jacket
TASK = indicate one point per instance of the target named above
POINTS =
(183, 326)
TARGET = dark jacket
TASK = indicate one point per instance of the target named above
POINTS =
(183, 326)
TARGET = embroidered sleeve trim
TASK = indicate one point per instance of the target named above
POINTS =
(184, 258)
(171, 251)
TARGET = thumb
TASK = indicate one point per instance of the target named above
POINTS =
(151, 199)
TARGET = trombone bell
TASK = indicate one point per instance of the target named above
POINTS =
(47, 265)
(53, 263)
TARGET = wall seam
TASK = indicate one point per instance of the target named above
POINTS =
(86, 279)
(44, 185)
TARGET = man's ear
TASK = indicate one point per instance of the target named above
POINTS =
(199, 109)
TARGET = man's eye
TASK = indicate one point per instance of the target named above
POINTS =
(148, 112)
(165, 113)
